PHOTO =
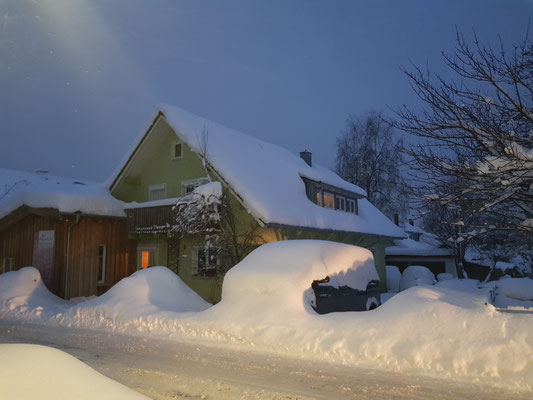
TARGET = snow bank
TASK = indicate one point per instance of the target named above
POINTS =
(39, 372)
(516, 288)
(449, 330)
(23, 292)
(416, 275)
(145, 293)
(444, 276)
(393, 278)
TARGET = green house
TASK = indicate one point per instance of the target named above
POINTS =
(269, 194)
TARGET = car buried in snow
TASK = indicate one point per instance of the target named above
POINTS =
(311, 276)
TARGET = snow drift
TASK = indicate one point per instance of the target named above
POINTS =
(23, 293)
(146, 293)
(40, 372)
(449, 330)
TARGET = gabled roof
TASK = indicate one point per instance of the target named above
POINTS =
(268, 178)
(66, 195)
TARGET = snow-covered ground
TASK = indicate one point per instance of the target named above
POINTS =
(449, 330)
(39, 372)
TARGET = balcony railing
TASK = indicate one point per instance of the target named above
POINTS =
(150, 220)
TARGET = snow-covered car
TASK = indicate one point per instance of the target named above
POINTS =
(305, 276)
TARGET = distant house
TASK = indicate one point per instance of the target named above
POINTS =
(73, 231)
(421, 248)
(273, 194)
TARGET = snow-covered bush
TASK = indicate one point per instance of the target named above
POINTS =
(515, 288)
(416, 275)
(444, 276)
(393, 278)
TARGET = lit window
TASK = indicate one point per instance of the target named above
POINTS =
(101, 263)
(206, 262)
(329, 200)
(157, 192)
(8, 264)
(319, 198)
(176, 151)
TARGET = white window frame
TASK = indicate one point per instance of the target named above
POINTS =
(351, 209)
(173, 150)
(6, 261)
(161, 186)
(103, 266)
(332, 196)
(343, 199)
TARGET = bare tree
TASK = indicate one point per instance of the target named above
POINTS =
(478, 133)
(370, 157)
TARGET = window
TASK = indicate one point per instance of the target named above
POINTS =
(8, 264)
(351, 206)
(319, 198)
(101, 263)
(329, 200)
(176, 150)
(340, 203)
(157, 192)
(205, 261)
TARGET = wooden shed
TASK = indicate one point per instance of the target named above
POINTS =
(77, 251)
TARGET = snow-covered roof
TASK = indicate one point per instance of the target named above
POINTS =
(41, 190)
(410, 247)
(268, 178)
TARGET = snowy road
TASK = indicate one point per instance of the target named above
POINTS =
(164, 369)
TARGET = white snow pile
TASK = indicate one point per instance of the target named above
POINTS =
(444, 276)
(512, 292)
(32, 372)
(447, 330)
(41, 190)
(23, 293)
(147, 294)
(416, 275)
(393, 278)
(258, 172)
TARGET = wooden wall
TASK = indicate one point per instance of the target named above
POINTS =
(86, 236)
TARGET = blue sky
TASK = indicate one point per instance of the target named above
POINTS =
(79, 80)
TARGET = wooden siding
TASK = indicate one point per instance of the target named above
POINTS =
(87, 234)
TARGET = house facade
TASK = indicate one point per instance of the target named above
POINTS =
(271, 195)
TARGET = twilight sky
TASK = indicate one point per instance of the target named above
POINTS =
(79, 80)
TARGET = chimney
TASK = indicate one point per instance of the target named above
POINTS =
(307, 156)
(396, 219)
